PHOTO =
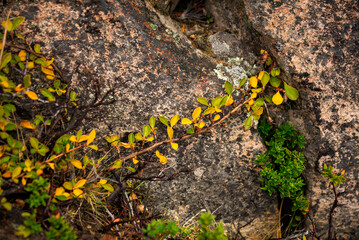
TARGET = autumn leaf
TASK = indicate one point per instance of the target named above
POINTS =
(77, 192)
(76, 163)
(80, 183)
(277, 98)
(27, 124)
(253, 81)
(31, 95)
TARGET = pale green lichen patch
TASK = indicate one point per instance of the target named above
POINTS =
(235, 71)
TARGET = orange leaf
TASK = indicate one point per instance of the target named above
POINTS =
(31, 95)
(80, 183)
(27, 124)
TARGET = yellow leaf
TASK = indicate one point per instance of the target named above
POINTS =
(201, 125)
(162, 158)
(27, 163)
(30, 65)
(80, 183)
(39, 172)
(52, 165)
(73, 138)
(5, 84)
(174, 120)
(59, 191)
(6, 174)
(102, 181)
(186, 121)
(48, 70)
(7, 25)
(174, 145)
(251, 102)
(16, 172)
(67, 195)
(260, 75)
(27, 124)
(277, 98)
(217, 117)
(50, 77)
(229, 101)
(76, 163)
(253, 81)
(23, 181)
(91, 137)
(22, 55)
(68, 147)
(254, 95)
(125, 145)
(83, 138)
(77, 192)
(170, 132)
(196, 113)
(135, 161)
(67, 185)
(31, 95)
(259, 111)
(49, 62)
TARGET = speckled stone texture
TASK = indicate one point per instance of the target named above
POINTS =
(156, 72)
(317, 44)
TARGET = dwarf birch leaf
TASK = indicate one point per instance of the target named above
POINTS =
(37, 48)
(170, 132)
(91, 137)
(16, 172)
(203, 101)
(117, 164)
(27, 124)
(277, 98)
(131, 138)
(102, 181)
(34, 143)
(196, 113)
(146, 130)
(291, 92)
(48, 94)
(186, 121)
(228, 87)
(130, 169)
(259, 111)
(80, 183)
(163, 120)
(275, 82)
(174, 120)
(217, 101)
(223, 101)
(139, 137)
(16, 22)
(108, 187)
(76, 163)
(5, 60)
(268, 99)
(243, 80)
(174, 145)
(27, 81)
(265, 79)
(259, 102)
(77, 192)
(150, 139)
(152, 122)
(190, 131)
(83, 138)
(7, 25)
(248, 123)
(217, 117)
(253, 81)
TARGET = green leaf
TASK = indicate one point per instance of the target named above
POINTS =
(20, 36)
(217, 101)
(291, 92)
(131, 169)
(7, 206)
(268, 99)
(265, 79)
(41, 61)
(5, 60)
(73, 96)
(9, 108)
(27, 81)
(207, 111)
(131, 138)
(61, 198)
(228, 87)
(190, 131)
(152, 122)
(37, 48)
(163, 120)
(248, 123)
(43, 150)
(48, 94)
(10, 126)
(117, 164)
(57, 84)
(21, 65)
(146, 130)
(34, 143)
(108, 187)
(203, 101)
(223, 101)
(259, 102)
(139, 137)
(275, 82)
(16, 22)
(243, 80)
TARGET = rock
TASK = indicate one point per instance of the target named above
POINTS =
(316, 44)
(224, 45)
(155, 72)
